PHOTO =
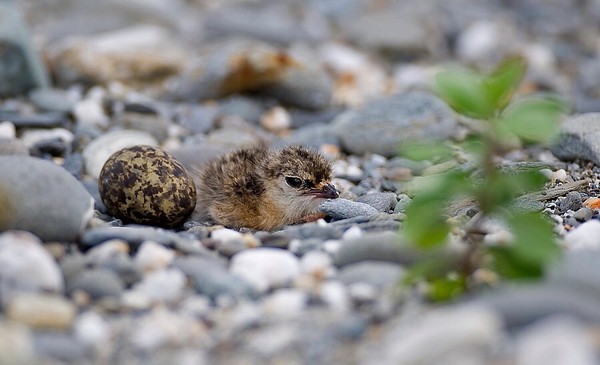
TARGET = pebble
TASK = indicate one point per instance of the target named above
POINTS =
(100, 149)
(382, 246)
(153, 256)
(52, 100)
(163, 285)
(211, 278)
(285, 303)
(386, 123)
(344, 209)
(403, 203)
(266, 268)
(126, 55)
(464, 334)
(317, 264)
(92, 330)
(584, 237)
(41, 311)
(21, 64)
(58, 346)
(31, 137)
(383, 202)
(90, 111)
(579, 138)
(8, 130)
(543, 343)
(16, 343)
(13, 147)
(378, 274)
(583, 214)
(276, 119)
(97, 284)
(571, 202)
(25, 266)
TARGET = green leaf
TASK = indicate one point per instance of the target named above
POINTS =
(534, 120)
(444, 289)
(426, 151)
(464, 91)
(501, 84)
(425, 224)
(533, 248)
(501, 189)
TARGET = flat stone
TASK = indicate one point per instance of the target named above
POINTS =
(570, 202)
(379, 274)
(52, 100)
(43, 198)
(383, 202)
(385, 123)
(381, 246)
(583, 214)
(343, 209)
(42, 311)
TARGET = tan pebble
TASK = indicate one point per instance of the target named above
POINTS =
(41, 311)
(276, 119)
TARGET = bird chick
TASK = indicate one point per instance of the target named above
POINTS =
(263, 189)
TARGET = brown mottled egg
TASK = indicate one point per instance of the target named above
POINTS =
(146, 185)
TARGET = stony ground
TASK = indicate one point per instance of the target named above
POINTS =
(349, 78)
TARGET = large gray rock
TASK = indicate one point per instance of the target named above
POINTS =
(579, 138)
(43, 198)
(383, 125)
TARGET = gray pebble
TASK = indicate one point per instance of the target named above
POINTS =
(403, 203)
(383, 202)
(583, 214)
(10, 147)
(211, 278)
(198, 119)
(42, 198)
(59, 346)
(52, 100)
(135, 235)
(380, 274)
(342, 209)
(571, 202)
(383, 246)
(579, 138)
(385, 123)
(97, 283)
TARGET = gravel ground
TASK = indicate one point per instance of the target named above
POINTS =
(81, 80)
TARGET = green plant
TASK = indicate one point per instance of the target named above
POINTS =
(501, 123)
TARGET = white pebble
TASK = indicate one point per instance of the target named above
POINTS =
(90, 111)
(226, 235)
(162, 285)
(92, 330)
(318, 264)
(544, 343)
(332, 246)
(335, 295)
(276, 119)
(352, 233)
(26, 266)
(107, 251)
(8, 130)
(32, 136)
(266, 268)
(559, 176)
(584, 237)
(153, 256)
(285, 303)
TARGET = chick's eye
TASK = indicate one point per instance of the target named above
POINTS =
(293, 181)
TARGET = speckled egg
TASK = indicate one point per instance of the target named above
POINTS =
(146, 185)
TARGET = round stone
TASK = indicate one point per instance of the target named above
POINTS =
(42, 198)
(146, 185)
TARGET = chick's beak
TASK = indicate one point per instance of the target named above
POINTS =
(326, 192)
